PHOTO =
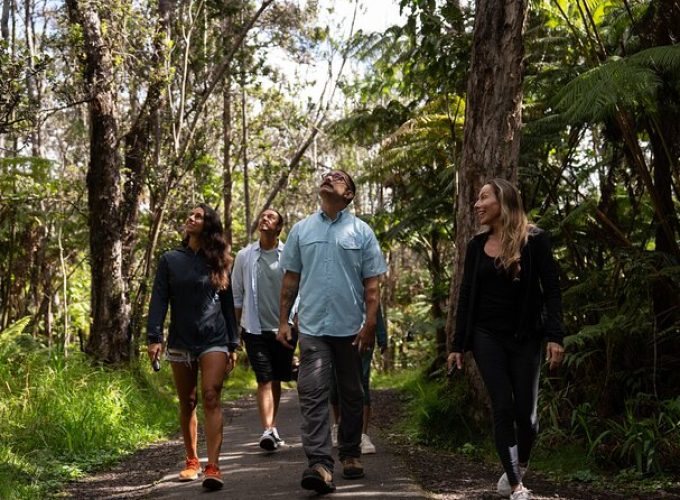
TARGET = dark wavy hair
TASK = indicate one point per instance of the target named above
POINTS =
(214, 246)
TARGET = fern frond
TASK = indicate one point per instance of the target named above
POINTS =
(596, 94)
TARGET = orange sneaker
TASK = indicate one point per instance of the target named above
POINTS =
(191, 470)
(212, 479)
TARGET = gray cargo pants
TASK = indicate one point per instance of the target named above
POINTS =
(318, 356)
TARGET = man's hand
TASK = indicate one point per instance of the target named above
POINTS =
(285, 336)
(554, 354)
(231, 363)
(154, 351)
(365, 338)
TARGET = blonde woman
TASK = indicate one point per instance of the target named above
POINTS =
(509, 303)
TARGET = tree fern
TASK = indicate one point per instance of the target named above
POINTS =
(630, 83)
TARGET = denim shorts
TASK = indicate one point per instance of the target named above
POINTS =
(188, 357)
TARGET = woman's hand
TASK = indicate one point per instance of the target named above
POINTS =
(154, 351)
(231, 363)
(554, 354)
(455, 358)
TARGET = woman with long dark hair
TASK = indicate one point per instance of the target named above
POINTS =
(194, 281)
(509, 303)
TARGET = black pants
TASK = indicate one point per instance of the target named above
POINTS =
(510, 370)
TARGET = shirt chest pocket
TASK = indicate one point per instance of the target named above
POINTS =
(349, 248)
(312, 247)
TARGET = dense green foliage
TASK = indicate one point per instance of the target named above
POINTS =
(599, 169)
(62, 417)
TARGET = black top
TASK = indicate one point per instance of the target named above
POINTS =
(499, 298)
(540, 302)
(200, 316)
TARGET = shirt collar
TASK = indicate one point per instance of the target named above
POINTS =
(256, 246)
(342, 213)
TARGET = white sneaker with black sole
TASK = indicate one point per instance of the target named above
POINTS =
(277, 438)
(268, 441)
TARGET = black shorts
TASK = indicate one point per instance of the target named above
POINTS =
(270, 359)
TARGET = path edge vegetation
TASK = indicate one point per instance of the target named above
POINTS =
(65, 417)
(436, 415)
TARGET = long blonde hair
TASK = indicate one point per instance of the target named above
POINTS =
(514, 225)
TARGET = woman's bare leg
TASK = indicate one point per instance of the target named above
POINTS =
(213, 365)
(186, 378)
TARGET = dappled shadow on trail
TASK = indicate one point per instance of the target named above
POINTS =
(248, 471)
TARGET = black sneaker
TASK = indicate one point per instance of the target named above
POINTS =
(318, 478)
(267, 441)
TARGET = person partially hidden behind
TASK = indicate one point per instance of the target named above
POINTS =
(367, 446)
(257, 281)
(510, 277)
(333, 259)
(193, 281)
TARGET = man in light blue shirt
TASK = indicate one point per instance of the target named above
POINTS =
(256, 282)
(333, 260)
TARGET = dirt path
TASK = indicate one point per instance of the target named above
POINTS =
(449, 476)
(250, 473)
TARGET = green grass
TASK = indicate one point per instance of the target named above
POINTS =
(241, 382)
(434, 411)
(61, 418)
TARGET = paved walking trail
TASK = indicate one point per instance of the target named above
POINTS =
(251, 473)
(248, 471)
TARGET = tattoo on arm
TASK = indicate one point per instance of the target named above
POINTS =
(289, 291)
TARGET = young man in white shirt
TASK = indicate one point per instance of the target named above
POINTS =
(256, 281)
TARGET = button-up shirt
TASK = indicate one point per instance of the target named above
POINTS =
(200, 316)
(244, 283)
(333, 257)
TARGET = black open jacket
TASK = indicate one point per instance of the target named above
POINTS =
(200, 316)
(540, 314)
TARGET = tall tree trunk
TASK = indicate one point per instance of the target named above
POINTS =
(662, 27)
(244, 153)
(109, 336)
(4, 19)
(493, 116)
(227, 181)
(437, 298)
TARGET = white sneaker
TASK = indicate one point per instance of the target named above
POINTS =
(277, 438)
(267, 441)
(503, 487)
(334, 435)
(521, 494)
(367, 446)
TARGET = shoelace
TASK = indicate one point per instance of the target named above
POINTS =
(211, 469)
(193, 463)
